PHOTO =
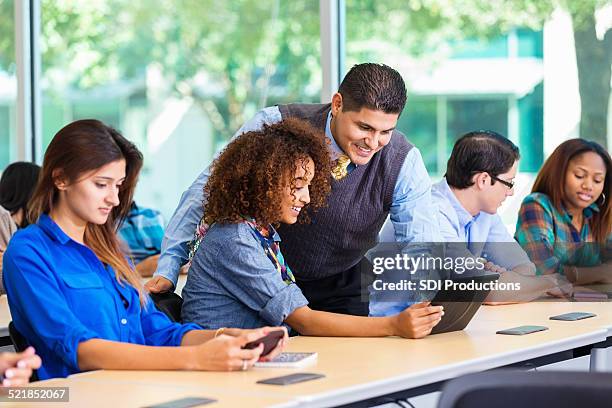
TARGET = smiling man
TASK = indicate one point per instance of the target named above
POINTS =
(376, 172)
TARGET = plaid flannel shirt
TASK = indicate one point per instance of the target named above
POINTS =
(549, 238)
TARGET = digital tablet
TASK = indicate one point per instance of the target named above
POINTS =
(291, 379)
(460, 305)
(522, 330)
(570, 317)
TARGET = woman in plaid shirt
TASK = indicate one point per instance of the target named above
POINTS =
(565, 224)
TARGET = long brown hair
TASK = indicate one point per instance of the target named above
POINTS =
(551, 181)
(77, 149)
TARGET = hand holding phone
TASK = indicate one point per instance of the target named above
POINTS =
(270, 341)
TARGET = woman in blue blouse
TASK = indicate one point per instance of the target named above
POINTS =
(72, 293)
(263, 178)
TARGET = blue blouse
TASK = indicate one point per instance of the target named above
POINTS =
(60, 294)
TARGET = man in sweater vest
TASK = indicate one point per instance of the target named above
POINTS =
(377, 173)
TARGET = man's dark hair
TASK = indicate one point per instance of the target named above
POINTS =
(479, 151)
(373, 86)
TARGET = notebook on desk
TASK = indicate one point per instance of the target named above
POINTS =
(600, 292)
(289, 360)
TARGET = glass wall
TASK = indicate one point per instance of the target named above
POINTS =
(536, 74)
(177, 78)
(458, 79)
(8, 84)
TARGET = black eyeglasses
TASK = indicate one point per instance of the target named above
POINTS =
(509, 184)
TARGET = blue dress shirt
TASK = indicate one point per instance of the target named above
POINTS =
(410, 211)
(60, 294)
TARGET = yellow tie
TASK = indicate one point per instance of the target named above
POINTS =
(340, 170)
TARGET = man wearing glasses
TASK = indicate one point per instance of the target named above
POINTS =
(479, 177)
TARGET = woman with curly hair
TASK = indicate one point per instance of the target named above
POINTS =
(238, 276)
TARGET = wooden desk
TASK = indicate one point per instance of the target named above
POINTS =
(540, 312)
(358, 369)
(110, 393)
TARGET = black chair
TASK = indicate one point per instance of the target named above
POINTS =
(511, 389)
(169, 303)
(20, 344)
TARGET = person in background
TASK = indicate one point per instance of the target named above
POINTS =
(16, 185)
(565, 224)
(142, 232)
(72, 293)
(479, 177)
(279, 174)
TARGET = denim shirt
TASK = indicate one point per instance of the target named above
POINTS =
(411, 214)
(60, 294)
(232, 282)
(548, 235)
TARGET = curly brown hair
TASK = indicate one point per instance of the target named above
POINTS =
(250, 175)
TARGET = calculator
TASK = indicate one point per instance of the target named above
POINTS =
(289, 359)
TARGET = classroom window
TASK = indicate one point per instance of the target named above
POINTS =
(457, 81)
(177, 78)
(8, 84)
(531, 74)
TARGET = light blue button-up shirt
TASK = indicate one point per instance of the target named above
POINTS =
(410, 213)
(485, 234)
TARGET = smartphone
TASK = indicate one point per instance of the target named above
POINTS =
(521, 330)
(183, 403)
(573, 316)
(269, 341)
(291, 379)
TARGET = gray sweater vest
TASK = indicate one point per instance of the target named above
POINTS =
(342, 232)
